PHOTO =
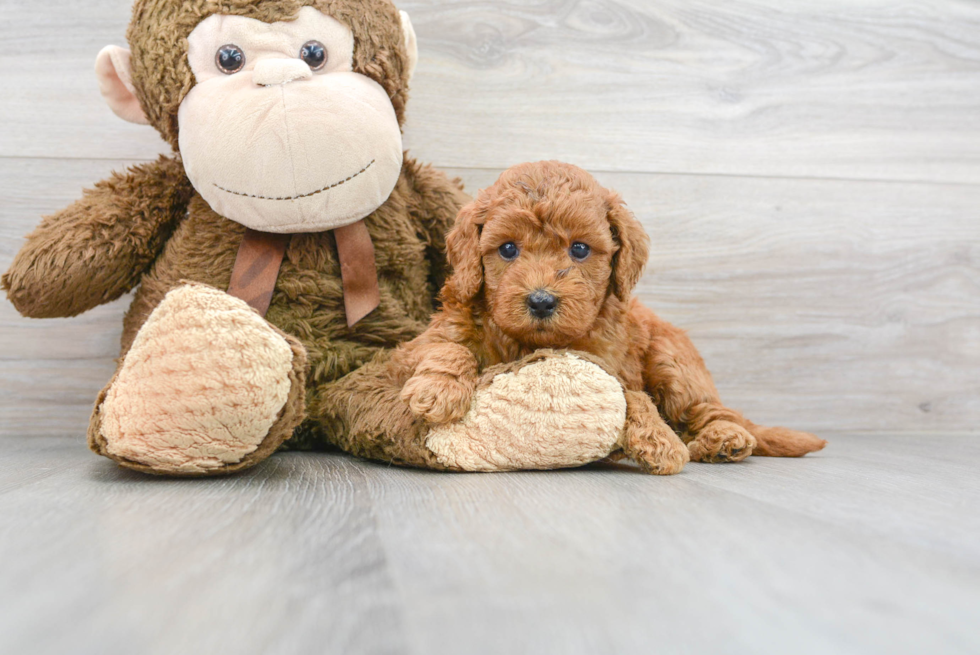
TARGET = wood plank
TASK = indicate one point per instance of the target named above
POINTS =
(884, 488)
(871, 89)
(51, 102)
(825, 305)
(50, 396)
(324, 553)
(828, 305)
(876, 89)
(285, 559)
(582, 562)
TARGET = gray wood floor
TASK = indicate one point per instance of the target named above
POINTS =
(872, 546)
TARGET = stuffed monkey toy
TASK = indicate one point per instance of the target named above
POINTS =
(286, 242)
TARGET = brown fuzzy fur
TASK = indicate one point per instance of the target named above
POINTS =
(484, 321)
(148, 229)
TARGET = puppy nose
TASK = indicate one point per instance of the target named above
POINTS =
(541, 303)
(269, 72)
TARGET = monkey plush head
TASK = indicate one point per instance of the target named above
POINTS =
(287, 113)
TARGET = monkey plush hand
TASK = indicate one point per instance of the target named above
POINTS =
(285, 244)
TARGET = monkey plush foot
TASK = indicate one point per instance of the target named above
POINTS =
(207, 387)
(549, 410)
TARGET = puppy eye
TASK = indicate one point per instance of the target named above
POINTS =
(314, 54)
(509, 251)
(229, 59)
(579, 250)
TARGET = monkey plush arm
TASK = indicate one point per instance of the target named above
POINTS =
(97, 249)
(437, 200)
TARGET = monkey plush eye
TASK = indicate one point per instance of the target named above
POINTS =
(579, 250)
(230, 59)
(314, 54)
(508, 251)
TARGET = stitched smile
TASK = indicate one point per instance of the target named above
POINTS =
(305, 195)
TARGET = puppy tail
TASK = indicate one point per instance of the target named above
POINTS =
(783, 442)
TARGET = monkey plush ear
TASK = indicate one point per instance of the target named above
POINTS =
(411, 44)
(112, 67)
(629, 260)
(463, 253)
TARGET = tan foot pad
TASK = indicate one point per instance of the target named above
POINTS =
(558, 412)
(201, 386)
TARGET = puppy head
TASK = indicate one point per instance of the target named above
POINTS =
(548, 247)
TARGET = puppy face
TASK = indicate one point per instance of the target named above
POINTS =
(547, 267)
(548, 247)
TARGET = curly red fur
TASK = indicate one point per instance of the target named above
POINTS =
(543, 208)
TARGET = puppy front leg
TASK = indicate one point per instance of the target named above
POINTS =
(441, 389)
(648, 440)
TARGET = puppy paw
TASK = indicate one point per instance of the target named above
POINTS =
(657, 450)
(722, 441)
(437, 397)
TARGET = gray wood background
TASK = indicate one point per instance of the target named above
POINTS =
(809, 173)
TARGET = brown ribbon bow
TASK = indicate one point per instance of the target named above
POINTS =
(253, 278)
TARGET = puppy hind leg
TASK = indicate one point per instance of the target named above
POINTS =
(648, 440)
(713, 433)
(716, 434)
(683, 389)
(681, 386)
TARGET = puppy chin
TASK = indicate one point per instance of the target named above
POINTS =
(553, 332)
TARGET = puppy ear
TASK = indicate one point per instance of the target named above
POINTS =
(463, 253)
(634, 247)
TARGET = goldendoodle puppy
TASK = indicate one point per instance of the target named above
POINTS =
(547, 258)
